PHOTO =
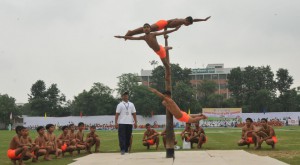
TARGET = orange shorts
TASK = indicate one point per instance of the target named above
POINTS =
(161, 24)
(12, 154)
(64, 147)
(162, 52)
(150, 142)
(185, 117)
(249, 140)
(274, 138)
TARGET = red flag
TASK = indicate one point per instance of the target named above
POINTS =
(81, 114)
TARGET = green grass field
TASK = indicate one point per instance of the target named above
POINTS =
(287, 148)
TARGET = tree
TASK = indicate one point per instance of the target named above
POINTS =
(7, 107)
(126, 82)
(97, 101)
(215, 101)
(235, 85)
(205, 89)
(37, 99)
(177, 73)
(50, 101)
(284, 80)
(261, 101)
(251, 83)
(184, 95)
(289, 101)
(146, 103)
(55, 101)
(265, 79)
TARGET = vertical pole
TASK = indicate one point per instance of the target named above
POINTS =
(169, 117)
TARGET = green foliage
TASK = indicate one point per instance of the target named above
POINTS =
(204, 90)
(177, 75)
(284, 80)
(127, 81)
(145, 101)
(184, 96)
(97, 101)
(235, 85)
(49, 101)
(254, 89)
(7, 106)
(215, 101)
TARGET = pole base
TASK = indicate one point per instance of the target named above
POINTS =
(170, 153)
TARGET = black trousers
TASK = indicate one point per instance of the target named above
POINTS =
(124, 132)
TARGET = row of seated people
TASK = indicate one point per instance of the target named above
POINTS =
(257, 134)
(189, 134)
(22, 147)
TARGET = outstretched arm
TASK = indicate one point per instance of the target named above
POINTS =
(131, 38)
(157, 93)
(199, 20)
(167, 31)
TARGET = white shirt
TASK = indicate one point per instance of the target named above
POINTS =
(125, 109)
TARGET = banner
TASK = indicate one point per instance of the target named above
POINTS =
(222, 113)
(293, 122)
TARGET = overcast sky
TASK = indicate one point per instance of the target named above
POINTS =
(71, 43)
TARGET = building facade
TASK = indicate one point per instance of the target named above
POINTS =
(213, 72)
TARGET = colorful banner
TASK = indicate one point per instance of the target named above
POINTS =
(219, 113)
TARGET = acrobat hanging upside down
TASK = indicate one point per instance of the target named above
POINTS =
(173, 108)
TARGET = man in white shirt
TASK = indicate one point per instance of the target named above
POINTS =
(124, 119)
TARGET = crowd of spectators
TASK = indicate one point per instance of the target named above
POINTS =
(205, 123)
(272, 122)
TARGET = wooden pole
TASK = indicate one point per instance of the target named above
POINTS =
(169, 117)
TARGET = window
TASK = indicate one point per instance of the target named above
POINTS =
(207, 77)
(199, 77)
(222, 76)
(214, 77)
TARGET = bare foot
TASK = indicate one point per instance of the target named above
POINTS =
(168, 48)
(258, 147)
(199, 146)
(273, 146)
(21, 163)
(14, 162)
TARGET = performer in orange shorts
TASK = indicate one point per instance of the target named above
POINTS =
(162, 52)
(265, 133)
(17, 150)
(173, 108)
(161, 24)
(12, 154)
(164, 24)
(151, 40)
(198, 136)
(247, 137)
(150, 137)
